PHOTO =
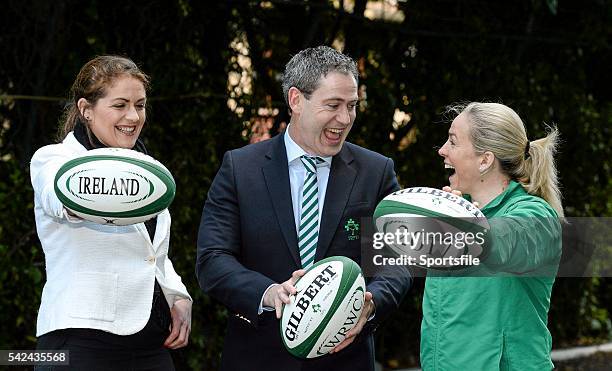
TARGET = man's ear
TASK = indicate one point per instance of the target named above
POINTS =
(84, 108)
(295, 99)
(486, 162)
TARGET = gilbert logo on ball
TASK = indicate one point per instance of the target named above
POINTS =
(328, 304)
(115, 186)
(431, 228)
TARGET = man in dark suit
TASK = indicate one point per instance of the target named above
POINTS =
(276, 207)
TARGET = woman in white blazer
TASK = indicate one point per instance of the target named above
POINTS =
(112, 297)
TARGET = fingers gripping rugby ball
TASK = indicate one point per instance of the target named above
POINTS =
(328, 304)
(115, 186)
(434, 227)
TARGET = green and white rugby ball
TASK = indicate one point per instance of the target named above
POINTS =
(434, 227)
(115, 186)
(328, 304)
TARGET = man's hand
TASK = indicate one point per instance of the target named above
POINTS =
(181, 324)
(278, 294)
(368, 309)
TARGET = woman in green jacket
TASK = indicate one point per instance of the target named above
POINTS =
(496, 319)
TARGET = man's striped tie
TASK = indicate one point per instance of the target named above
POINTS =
(309, 219)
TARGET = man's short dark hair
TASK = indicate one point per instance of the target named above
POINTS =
(306, 68)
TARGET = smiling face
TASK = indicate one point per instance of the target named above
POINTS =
(117, 118)
(460, 156)
(320, 124)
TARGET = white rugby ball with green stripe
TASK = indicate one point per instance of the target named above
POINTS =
(115, 186)
(434, 220)
(328, 304)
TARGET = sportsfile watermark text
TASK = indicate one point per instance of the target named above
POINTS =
(426, 248)
(426, 261)
(464, 248)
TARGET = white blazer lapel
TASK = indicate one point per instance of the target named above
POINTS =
(142, 229)
(162, 229)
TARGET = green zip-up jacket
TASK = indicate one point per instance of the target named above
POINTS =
(496, 319)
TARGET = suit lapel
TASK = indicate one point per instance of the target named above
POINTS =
(339, 186)
(161, 230)
(145, 234)
(276, 175)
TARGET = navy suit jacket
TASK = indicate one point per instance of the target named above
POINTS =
(248, 241)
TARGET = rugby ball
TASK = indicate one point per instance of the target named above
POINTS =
(328, 304)
(434, 228)
(115, 186)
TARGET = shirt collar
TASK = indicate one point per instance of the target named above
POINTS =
(513, 188)
(294, 151)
